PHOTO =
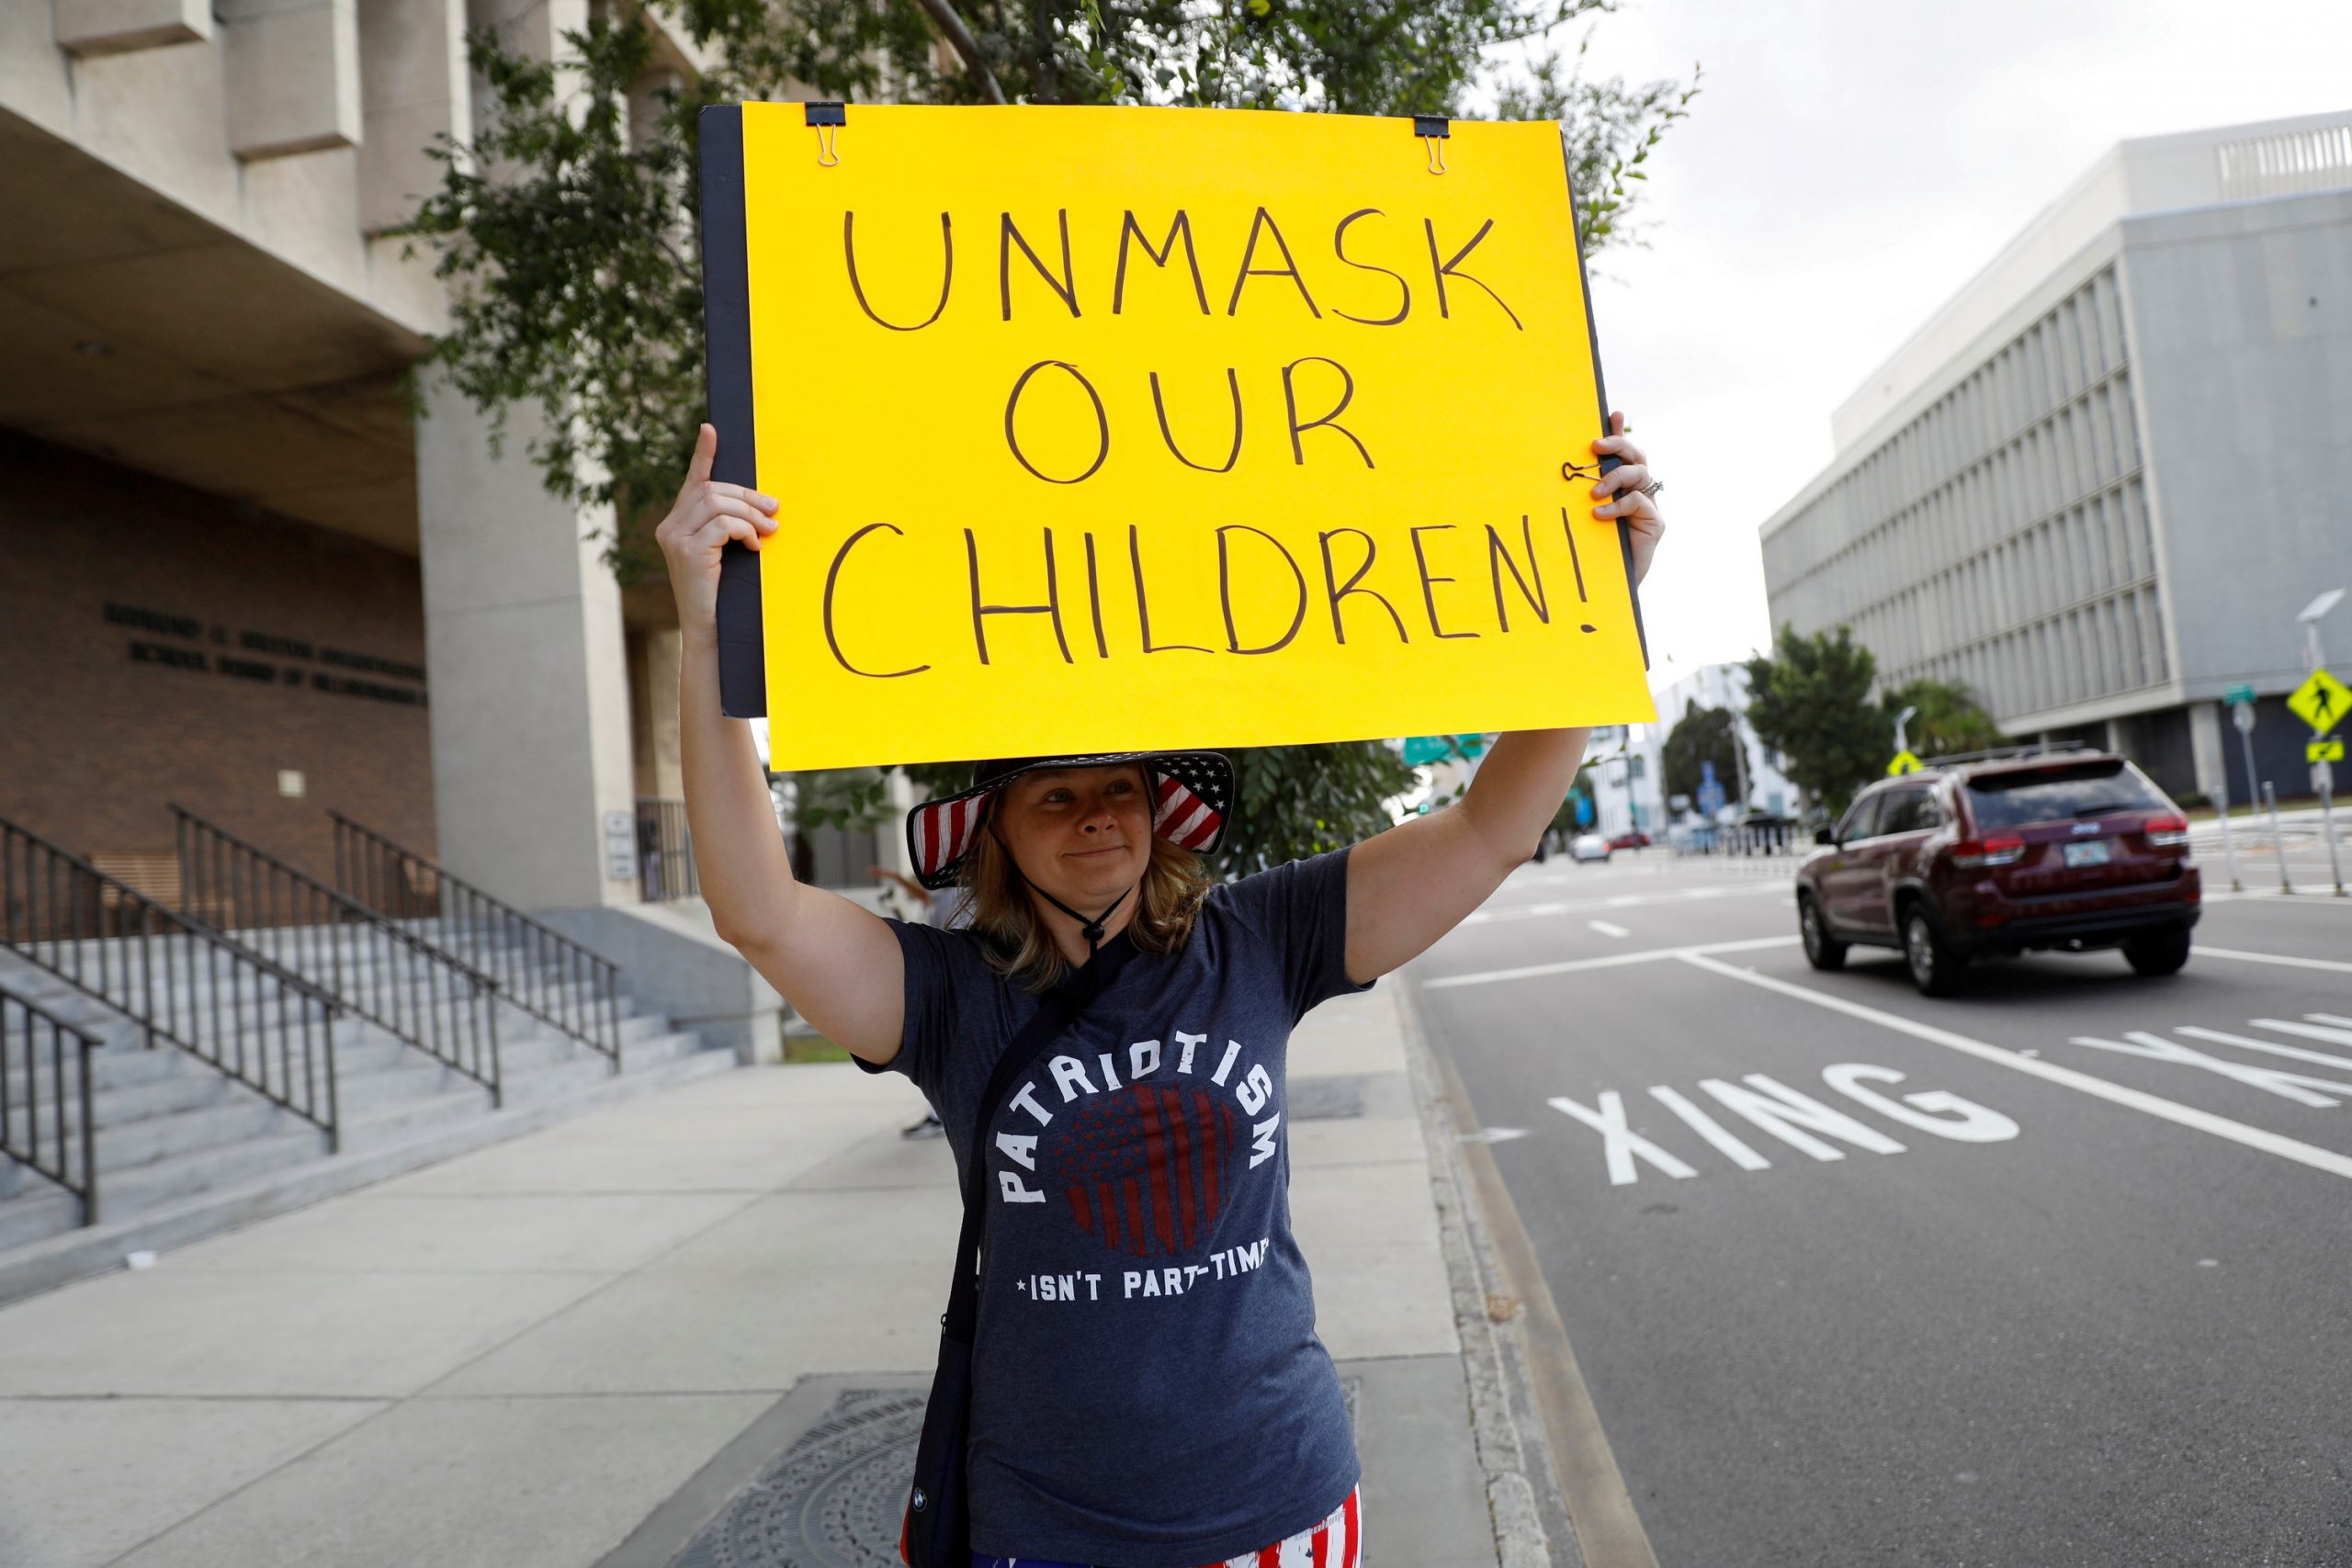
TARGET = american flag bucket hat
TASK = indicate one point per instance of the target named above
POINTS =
(1192, 795)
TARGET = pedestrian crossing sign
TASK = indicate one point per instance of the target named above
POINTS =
(2328, 751)
(1904, 762)
(2321, 701)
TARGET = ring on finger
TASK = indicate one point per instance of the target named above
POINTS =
(1654, 488)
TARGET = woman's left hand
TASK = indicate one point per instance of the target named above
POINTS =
(1632, 503)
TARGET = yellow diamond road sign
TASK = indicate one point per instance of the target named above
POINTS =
(2321, 701)
(1904, 762)
(2330, 750)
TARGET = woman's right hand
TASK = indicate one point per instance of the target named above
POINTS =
(707, 515)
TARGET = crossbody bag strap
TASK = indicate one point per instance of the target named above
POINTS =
(1056, 1012)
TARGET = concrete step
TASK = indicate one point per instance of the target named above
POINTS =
(39, 1212)
(42, 1244)
(173, 1119)
(134, 1084)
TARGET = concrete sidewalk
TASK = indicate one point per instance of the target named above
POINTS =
(589, 1345)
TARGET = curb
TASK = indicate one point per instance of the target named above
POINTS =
(1511, 1450)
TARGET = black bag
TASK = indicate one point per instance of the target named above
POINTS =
(938, 1529)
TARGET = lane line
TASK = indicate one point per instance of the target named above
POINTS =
(1561, 907)
(2033, 1067)
(1609, 928)
(1570, 967)
(2245, 957)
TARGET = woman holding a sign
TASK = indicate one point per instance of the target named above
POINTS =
(1104, 1042)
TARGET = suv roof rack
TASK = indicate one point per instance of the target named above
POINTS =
(2005, 753)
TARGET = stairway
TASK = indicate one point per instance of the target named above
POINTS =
(184, 1151)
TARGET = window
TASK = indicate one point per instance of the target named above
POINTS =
(2061, 792)
(1633, 768)
(1859, 820)
(1909, 811)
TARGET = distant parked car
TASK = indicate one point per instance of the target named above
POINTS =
(2074, 850)
(1633, 840)
(1589, 846)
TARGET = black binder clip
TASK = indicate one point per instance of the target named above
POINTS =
(825, 118)
(1433, 129)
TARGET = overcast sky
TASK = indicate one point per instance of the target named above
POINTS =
(1849, 165)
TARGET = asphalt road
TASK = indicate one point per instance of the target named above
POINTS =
(2075, 1303)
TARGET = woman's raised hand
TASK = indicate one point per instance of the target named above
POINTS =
(1634, 489)
(707, 515)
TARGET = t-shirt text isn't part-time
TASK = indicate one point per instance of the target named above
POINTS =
(1147, 1387)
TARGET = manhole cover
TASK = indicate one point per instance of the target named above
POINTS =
(831, 1500)
(834, 1497)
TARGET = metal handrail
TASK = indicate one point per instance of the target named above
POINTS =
(22, 1121)
(422, 995)
(181, 981)
(539, 969)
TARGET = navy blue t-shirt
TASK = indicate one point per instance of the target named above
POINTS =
(1148, 1389)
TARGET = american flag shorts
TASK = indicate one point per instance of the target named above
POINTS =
(1336, 1542)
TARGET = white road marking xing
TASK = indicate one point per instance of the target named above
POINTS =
(1486, 976)
(2271, 1047)
(2204, 952)
(1609, 928)
(1788, 1115)
(2296, 1087)
(1783, 1112)
(1620, 1143)
(1707, 1127)
(2313, 1031)
(2153, 1105)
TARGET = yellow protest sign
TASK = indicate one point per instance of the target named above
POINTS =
(1904, 762)
(1102, 428)
(2320, 701)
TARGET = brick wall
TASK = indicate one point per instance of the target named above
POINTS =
(160, 645)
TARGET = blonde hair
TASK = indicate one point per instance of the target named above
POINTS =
(1020, 948)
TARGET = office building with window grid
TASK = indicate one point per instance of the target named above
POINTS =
(2098, 484)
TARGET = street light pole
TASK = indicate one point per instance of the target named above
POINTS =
(2323, 773)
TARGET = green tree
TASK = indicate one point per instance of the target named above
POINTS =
(1290, 801)
(568, 231)
(1949, 722)
(1701, 734)
(1809, 701)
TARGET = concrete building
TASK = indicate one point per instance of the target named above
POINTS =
(236, 572)
(1629, 785)
(2099, 483)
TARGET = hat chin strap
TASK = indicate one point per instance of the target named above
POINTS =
(1091, 929)
(1089, 925)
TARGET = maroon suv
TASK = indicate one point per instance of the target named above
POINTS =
(2074, 850)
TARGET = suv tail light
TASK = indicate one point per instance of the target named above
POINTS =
(1972, 853)
(2167, 832)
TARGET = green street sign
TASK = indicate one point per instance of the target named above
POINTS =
(2241, 692)
(1421, 750)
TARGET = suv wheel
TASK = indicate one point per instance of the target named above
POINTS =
(1821, 950)
(1935, 967)
(2159, 953)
